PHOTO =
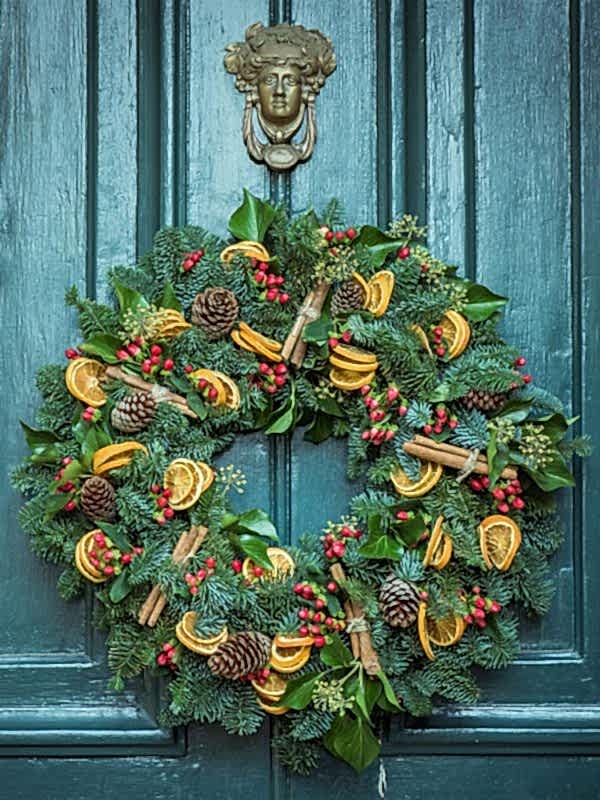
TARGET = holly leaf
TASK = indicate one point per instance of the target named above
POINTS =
(319, 429)
(388, 691)
(252, 219)
(377, 243)
(299, 691)
(103, 345)
(128, 298)
(168, 299)
(336, 654)
(36, 437)
(257, 521)
(120, 587)
(254, 547)
(382, 545)
(482, 303)
(352, 739)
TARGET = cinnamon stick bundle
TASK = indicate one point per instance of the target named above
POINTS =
(360, 641)
(116, 373)
(294, 347)
(450, 456)
(187, 546)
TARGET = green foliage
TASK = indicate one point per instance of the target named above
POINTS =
(331, 698)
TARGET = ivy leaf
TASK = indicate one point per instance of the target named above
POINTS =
(252, 219)
(357, 688)
(378, 244)
(352, 740)
(381, 545)
(554, 475)
(482, 303)
(319, 429)
(440, 394)
(555, 426)
(257, 521)
(317, 331)
(299, 691)
(285, 417)
(372, 692)
(411, 530)
(35, 437)
(336, 654)
(197, 404)
(128, 298)
(388, 691)
(330, 406)
(168, 299)
(103, 345)
(120, 587)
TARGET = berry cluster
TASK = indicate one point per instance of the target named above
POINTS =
(316, 620)
(382, 408)
(193, 581)
(91, 414)
(334, 338)
(519, 363)
(67, 486)
(270, 283)
(334, 238)
(260, 676)
(336, 537)
(168, 656)
(436, 337)
(156, 363)
(191, 259)
(270, 379)
(506, 494)
(163, 512)
(479, 607)
(109, 559)
(442, 419)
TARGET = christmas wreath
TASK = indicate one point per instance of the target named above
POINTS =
(348, 332)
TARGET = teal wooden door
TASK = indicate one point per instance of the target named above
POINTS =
(480, 117)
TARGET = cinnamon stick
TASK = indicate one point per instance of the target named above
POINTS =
(361, 642)
(188, 544)
(445, 447)
(312, 306)
(116, 373)
(440, 455)
(297, 328)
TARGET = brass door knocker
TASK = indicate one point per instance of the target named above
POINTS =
(281, 70)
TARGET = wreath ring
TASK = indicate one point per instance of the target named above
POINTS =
(348, 332)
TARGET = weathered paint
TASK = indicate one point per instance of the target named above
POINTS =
(481, 117)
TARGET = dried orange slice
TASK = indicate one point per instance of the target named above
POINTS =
(83, 378)
(381, 287)
(354, 355)
(358, 278)
(439, 547)
(114, 456)
(441, 632)
(172, 323)
(232, 393)
(245, 248)
(272, 689)
(429, 475)
(351, 366)
(252, 336)
(422, 337)
(211, 377)
(185, 633)
(289, 659)
(82, 558)
(272, 708)
(283, 566)
(456, 332)
(208, 474)
(85, 570)
(499, 539)
(282, 641)
(348, 380)
(185, 481)
(254, 347)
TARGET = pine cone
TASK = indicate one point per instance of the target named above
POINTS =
(242, 653)
(399, 602)
(134, 412)
(97, 499)
(348, 297)
(484, 401)
(215, 311)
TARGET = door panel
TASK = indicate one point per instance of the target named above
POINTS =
(481, 118)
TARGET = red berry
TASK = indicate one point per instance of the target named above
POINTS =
(346, 336)
(403, 252)
(122, 355)
(108, 570)
(161, 520)
(201, 574)
(236, 565)
(479, 613)
(258, 571)
(423, 595)
(402, 411)
(340, 236)
(283, 298)
(392, 394)
(332, 587)
(339, 548)
(155, 360)
(188, 368)
(298, 588)
(427, 429)
(319, 641)
(441, 413)
(280, 369)
(71, 505)
(468, 619)
(479, 602)
(162, 502)
(329, 235)
(211, 562)
(351, 233)
(280, 380)
(147, 366)
(272, 294)
(485, 481)
(260, 277)
(188, 264)
(503, 508)
(193, 590)
(319, 603)
(498, 494)
(437, 428)
(333, 343)
(169, 364)
(263, 266)
(169, 512)
(476, 589)
(155, 488)
(307, 592)
(476, 485)
(438, 332)
(495, 607)
(212, 394)
(161, 659)
(126, 558)
(133, 349)
(424, 267)
(303, 613)
(303, 630)
(518, 503)
(453, 424)
(264, 368)
(402, 515)
(520, 361)
(440, 351)
(70, 353)
(271, 388)
(155, 350)
(527, 378)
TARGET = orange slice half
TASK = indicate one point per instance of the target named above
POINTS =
(273, 689)
(381, 287)
(172, 323)
(351, 366)
(254, 347)
(441, 632)
(422, 337)
(246, 248)
(456, 332)
(213, 379)
(283, 566)
(83, 378)
(355, 355)
(184, 479)
(439, 547)
(232, 393)
(272, 708)
(289, 659)
(349, 380)
(114, 456)
(429, 475)
(499, 539)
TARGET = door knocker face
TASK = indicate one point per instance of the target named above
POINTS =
(281, 70)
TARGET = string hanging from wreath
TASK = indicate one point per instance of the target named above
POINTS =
(347, 332)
